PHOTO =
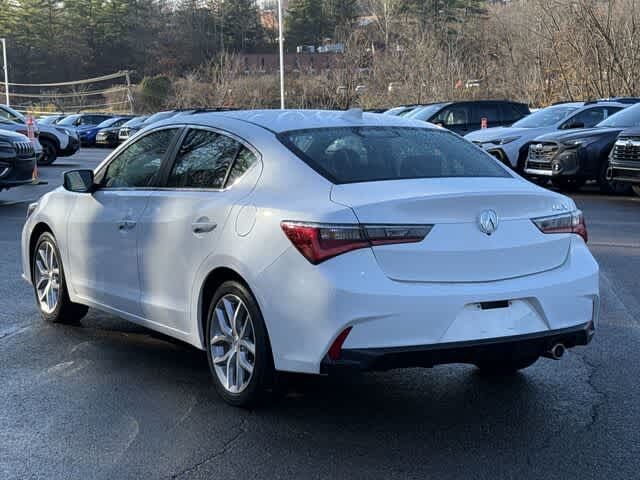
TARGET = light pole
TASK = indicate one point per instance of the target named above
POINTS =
(6, 70)
(281, 45)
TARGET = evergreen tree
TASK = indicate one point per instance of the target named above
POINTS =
(305, 23)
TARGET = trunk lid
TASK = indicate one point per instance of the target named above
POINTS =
(456, 250)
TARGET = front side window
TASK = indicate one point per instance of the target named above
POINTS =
(203, 160)
(368, 154)
(138, 165)
(455, 115)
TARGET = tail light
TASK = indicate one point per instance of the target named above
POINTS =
(318, 242)
(572, 222)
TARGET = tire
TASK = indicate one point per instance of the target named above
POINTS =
(233, 381)
(611, 187)
(506, 365)
(47, 258)
(636, 189)
(49, 152)
(568, 184)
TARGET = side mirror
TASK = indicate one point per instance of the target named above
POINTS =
(79, 181)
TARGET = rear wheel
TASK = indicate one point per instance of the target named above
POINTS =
(238, 349)
(568, 184)
(50, 285)
(49, 152)
(506, 365)
(636, 189)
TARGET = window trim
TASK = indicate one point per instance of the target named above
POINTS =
(102, 168)
(164, 177)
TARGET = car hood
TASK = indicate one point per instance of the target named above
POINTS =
(8, 135)
(496, 133)
(577, 134)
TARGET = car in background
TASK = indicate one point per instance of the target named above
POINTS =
(83, 123)
(510, 145)
(50, 119)
(9, 126)
(409, 246)
(401, 110)
(88, 133)
(108, 137)
(130, 130)
(624, 159)
(53, 140)
(17, 159)
(570, 158)
(467, 116)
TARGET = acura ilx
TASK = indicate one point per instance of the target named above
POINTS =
(316, 242)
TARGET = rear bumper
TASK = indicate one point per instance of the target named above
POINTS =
(457, 352)
(72, 147)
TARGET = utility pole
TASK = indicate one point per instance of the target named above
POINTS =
(129, 94)
(281, 45)
(6, 70)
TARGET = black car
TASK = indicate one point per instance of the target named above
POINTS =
(624, 159)
(17, 159)
(106, 133)
(468, 116)
(571, 158)
(129, 130)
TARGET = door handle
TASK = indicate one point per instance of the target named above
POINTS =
(126, 225)
(203, 225)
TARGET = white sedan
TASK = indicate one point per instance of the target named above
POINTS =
(314, 241)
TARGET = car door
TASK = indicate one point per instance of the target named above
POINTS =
(103, 226)
(183, 221)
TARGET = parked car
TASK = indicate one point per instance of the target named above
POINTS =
(53, 140)
(570, 158)
(401, 245)
(401, 110)
(17, 159)
(131, 127)
(510, 145)
(468, 116)
(624, 159)
(130, 130)
(50, 119)
(88, 133)
(84, 123)
(9, 126)
(108, 137)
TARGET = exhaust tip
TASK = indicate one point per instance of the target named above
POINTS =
(556, 352)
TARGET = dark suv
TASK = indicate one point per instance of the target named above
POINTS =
(571, 158)
(468, 116)
(17, 159)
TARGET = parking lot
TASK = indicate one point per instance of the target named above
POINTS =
(111, 400)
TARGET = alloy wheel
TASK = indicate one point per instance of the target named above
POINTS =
(232, 343)
(47, 277)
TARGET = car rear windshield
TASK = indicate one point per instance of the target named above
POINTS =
(369, 154)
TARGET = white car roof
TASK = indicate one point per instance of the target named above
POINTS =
(283, 120)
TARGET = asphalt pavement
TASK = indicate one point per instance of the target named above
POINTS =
(111, 400)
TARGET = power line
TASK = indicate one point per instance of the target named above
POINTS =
(75, 82)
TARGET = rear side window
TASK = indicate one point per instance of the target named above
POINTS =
(512, 112)
(368, 154)
(203, 160)
(490, 111)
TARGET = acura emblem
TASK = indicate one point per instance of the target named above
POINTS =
(488, 222)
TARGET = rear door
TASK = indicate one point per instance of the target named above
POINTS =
(183, 221)
(489, 111)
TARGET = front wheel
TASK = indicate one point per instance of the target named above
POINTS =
(49, 153)
(50, 286)
(238, 349)
(506, 365)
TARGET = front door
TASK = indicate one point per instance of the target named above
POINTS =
(103, 227)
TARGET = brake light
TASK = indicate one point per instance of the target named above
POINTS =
(318, 242)
(572, 222)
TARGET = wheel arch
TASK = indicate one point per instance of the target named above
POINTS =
(37, 231)
(212, 281)
(50, 138)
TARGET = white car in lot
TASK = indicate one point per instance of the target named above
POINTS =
(314, 241)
